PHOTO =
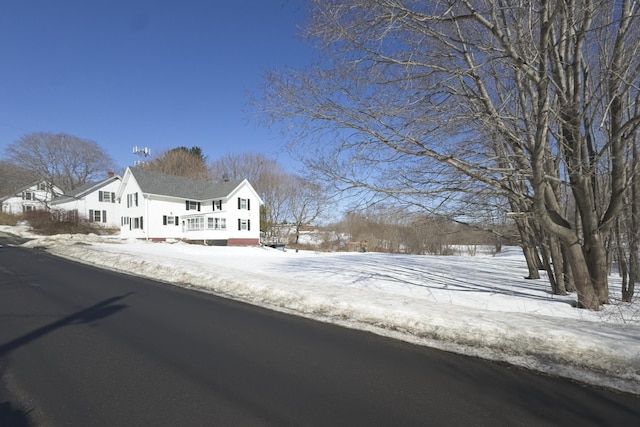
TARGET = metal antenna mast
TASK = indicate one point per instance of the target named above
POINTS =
(142, 153)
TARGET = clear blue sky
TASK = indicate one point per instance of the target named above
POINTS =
(154, 73)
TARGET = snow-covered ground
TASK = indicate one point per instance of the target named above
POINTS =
(478, 305)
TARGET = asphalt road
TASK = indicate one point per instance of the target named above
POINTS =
(81, 346)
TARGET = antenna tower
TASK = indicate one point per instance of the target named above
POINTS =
(142, 153)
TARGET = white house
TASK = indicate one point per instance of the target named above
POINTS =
(158, 206)
(95, 201)
(35, 196)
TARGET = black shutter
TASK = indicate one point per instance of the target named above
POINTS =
(164, 220)
(248, 225)
(113, 197)
(239, 223)
(99, 196)
(176, 221)
(90, 215)
(141, 226)
(248, 204)
(187, 205)
(198, 206)
(104, 216)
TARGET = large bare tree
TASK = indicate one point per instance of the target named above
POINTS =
(65, 160)
(535, 100)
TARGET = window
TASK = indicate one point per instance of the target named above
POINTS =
(106, 196)
(192, 205)
(27, 195)
(217, 205)
(169, 220)
(196, 223)
(42, 186)
(97, 216)
(244, 204)
(216, 223)
(132, 200)
(137, 223)
(124, 220)
(244, 224)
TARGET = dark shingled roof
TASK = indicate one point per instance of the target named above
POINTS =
(176, 186)
(79, 192)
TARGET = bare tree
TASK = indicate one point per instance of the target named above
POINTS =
(306, 202)
(268, 178)
(250, 166)
(180, 161)
(411, 96)
(65, 160)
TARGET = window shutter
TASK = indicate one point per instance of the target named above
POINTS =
(141, 226)
(164, 220)
(104, 216)
(99, 196)
(213, 205)
(248, 225)
(187, 205)
(198, 206)
(239, 205)
(239, 224)
(90, 215)
(248, 204)
(113, 197)
(176, 221)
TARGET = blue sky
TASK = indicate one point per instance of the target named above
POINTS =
(150, 73)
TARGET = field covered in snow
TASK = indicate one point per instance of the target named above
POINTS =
(478, 305)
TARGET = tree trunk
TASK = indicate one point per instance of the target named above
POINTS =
(558, 266)
(569, 282)
(587, 295)
(596, 258)
(531, 256)
(546, 264)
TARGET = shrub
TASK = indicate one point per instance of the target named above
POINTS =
(63, 222)
(9, 219)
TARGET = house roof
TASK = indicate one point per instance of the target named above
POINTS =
(19, 190)
(176, 186)
(83, 190)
